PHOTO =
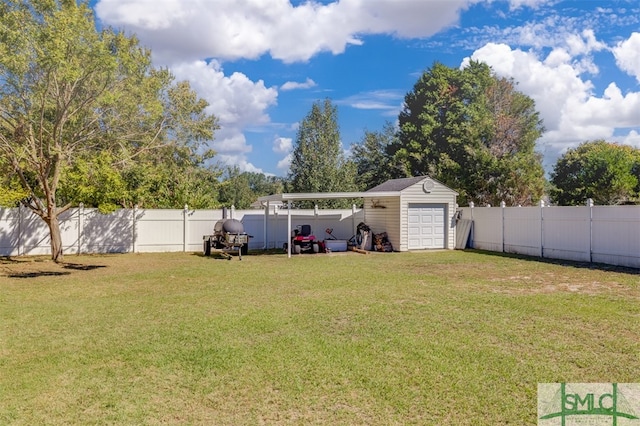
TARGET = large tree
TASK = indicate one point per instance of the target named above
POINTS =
(318, 163)
(79, 106)
(241, 189)
(474, 132)
(373, 163)
(606, 172)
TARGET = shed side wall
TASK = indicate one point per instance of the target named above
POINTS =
(382, 215)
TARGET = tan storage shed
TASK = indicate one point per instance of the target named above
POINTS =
(417, 213)
(418, 216)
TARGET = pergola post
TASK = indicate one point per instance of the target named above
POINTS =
(288, 228)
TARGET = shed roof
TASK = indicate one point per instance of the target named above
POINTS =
(397, 184)
(390, 188)
(322, 196)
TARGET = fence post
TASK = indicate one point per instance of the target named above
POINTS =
(590, 207)
(265, 224)
(289, 228)
(353, 219)
(275, 213)
(471, 206)
(185, 227)
(80, 226)
(20, 230)
(502, 207)
(542, 228)
(134, 234)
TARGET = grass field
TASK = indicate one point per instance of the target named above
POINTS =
(459, 338)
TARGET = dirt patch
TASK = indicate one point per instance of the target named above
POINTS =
(524, 284)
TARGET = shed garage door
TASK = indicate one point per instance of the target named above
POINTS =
(426, 226)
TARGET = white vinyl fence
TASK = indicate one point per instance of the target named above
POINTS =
(601, 234)
(136, 230)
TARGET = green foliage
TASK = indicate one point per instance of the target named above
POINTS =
(373, 163)
(11, 192)
(241, 189)
(94, 182)
(606, 172)
(170, 177)
(318, 163)
(474, 132)
(11, 197)
(75, 101)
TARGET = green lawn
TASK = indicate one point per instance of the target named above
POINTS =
(413, 338)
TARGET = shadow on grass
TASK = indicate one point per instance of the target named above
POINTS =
(569, 263)
(38, 274)
(41, 271)
(81, 267)
(252, 253)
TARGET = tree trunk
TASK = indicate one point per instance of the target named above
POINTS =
(56, 238)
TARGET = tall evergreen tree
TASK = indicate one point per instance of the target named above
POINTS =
(318, 163)
(373, 163)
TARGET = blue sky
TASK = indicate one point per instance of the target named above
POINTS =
(261, 64)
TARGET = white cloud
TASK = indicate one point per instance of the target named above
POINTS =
(516, 4)
(285, 163)
(282, 145)
(571, 111)
(573, 33)
(386, 100)
(235, 99)
(584, 43)
(627, 54)
(237, 102)
(292, 85)
(239, 161)
(633, 139)
(178, 30)
(181, 33)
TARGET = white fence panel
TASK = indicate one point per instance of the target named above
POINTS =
(108, 233)
(567, 233)
(602, 234)
(70, 231)
(523, 231)
(487, 228)
(35, 234)
(10, 232)
(616, 235)
(200, 222)
(253, 222)
(160, 231)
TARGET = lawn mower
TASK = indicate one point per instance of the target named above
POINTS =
(302, 240)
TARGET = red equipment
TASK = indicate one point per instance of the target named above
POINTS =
(303, 241)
